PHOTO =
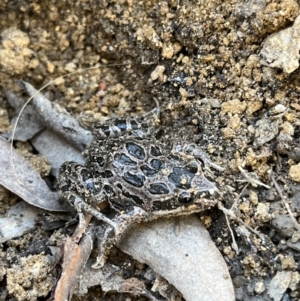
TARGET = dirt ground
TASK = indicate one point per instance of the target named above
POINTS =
(202, 60)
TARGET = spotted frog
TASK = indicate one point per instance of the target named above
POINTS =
(140, 177)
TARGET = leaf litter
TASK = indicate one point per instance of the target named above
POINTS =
(188, 243)
(209, 49)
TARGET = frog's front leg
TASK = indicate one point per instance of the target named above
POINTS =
(184, 148)
(109, 235)
(77, 186)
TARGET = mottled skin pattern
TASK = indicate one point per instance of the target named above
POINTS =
(141, 178)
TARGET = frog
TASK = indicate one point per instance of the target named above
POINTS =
(140, 177)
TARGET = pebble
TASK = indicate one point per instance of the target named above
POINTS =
(284, 225)
(280, 108)
(294, 173)
(259, 287)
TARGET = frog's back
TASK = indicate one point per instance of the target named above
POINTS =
(145, 173)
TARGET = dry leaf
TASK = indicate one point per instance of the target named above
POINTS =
(18, 176)
(17, 220)
(189, 259)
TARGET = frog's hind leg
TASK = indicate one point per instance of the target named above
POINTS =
(139, 126)
(77, 186)
(109, 236)
(83, 208)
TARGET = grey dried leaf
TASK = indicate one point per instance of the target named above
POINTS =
(56, 149)
(191, 253)
(59, 120)
(18, 176)
(17, 220)
(29, 122)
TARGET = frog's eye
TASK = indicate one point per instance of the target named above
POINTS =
(185, 198)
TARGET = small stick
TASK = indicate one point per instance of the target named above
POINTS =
(287, 206)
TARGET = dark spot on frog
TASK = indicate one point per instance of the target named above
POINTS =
(85, 174)
(157, 164)
(148, 171)
(95, 157)
(136, 180)
(185, 198)
(135, 198)
(106, 174)
(192, 167)
(121, 124)
(134, 124)
(158, 188)
(155, 151)
(125, 160)
(105, 129)
(135, 150)
(181, 177)
(90, 185)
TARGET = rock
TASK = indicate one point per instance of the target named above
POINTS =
(14, 52)
(158, 73)
(281, 49)
(284, 225)
(265, 131)
(280, 282)
(294, 245)
(234, 106)
(294, 173)
(295, 204)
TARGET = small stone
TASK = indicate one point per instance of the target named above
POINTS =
(158, 73)
(70, 67)
(284, 225)
(280, 108)
(185, 59)
(262, 212)
(50, 67)
(228, 133)
(281, 50)
(234, 122)
(253, 197)
(288, 263)
(287, 128)
(259, 287)
(265, 131)
(244, 207)
(59, 81)
(167, 51)
(227, 250)
(234, 106)
(215, 103)
(254, 106)
(13, 37)
(4, 120)
(294, 173)
(294, 245)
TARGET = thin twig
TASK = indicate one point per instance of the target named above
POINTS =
(230, 213)
(287, 206)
